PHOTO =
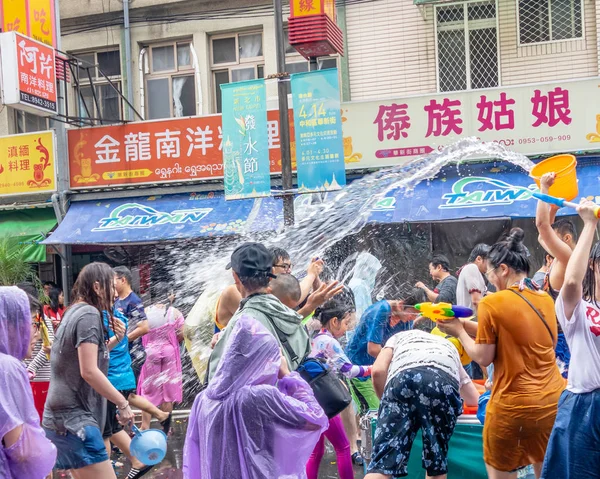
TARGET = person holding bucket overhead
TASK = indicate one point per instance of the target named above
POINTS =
(335, 316)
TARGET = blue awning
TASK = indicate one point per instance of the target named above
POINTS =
(487, 190)
(162, 218)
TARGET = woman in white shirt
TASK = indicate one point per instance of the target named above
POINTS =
(420, 381)
(573, 449)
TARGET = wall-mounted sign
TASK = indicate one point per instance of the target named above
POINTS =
(28, 74)
(33, 18)
(245, 140)
(532, 119)
(318, 126)
(27, 164)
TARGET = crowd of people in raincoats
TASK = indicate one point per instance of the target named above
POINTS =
(260, 412)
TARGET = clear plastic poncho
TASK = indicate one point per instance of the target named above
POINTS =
(32, 456)
(246, 424)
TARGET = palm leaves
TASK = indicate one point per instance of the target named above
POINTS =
(13, 267)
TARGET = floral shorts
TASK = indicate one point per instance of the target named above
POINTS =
(425, 399)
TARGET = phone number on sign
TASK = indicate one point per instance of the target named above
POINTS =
(544, 139)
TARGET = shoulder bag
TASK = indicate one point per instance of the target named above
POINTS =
(536, 312)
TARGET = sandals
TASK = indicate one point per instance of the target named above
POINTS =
(166, 424)
(357, 459)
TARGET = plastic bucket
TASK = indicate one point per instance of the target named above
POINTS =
(149, 447)
(565, 185)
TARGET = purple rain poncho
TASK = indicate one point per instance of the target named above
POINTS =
(33, 455)
(246, 424)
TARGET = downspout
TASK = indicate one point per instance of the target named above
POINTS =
(197, 79)
(141, 71)
(128, 71)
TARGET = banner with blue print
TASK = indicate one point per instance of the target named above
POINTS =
(318, 128)
(246, 166)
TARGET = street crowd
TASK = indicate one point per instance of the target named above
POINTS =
(292, 365)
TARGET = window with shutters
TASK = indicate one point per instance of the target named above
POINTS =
(467, 46)
(550, 20)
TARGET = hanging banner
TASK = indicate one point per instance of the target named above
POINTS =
(27, 164)
(33, 18)
(41, 20)
(28, 74)
(318, 126)
(245, 140)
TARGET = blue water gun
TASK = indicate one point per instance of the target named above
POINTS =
(560, 202)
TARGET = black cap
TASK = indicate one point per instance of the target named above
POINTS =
(251, 259)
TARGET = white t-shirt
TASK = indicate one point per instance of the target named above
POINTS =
(415, 348)
(583, 337)
(470, 280)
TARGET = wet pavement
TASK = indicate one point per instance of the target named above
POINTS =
(171, 466)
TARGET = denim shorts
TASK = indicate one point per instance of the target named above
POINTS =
(573, 451)
(75, 453)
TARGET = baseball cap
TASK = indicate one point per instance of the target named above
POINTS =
(251, 259)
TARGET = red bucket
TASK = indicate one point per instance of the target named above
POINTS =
(40, 392)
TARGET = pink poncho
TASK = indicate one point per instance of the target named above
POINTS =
(246, 424)
(33, 455)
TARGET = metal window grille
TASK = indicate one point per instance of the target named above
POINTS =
(467, 46)
(550, 20)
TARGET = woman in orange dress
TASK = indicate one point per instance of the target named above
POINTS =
(517, 331)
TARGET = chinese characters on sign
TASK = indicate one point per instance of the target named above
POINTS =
(28, 74)
(534, 119)
(245, 140)
(318, 125)
(178, 149)
(33, 18)
(27, 164)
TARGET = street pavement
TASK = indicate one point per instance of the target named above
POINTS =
(171, 466)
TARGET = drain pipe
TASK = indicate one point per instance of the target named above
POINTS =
(141, 71)
(128, 72)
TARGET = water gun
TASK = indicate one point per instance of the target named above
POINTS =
(443, 311)
(560, 202)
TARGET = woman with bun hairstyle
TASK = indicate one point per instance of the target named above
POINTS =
(336, 316)
(517, 331)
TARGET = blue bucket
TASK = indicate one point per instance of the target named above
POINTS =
(149, 447)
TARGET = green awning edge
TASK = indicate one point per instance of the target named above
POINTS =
(26, 228)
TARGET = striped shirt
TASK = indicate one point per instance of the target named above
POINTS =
(40, 364)
(413, 349)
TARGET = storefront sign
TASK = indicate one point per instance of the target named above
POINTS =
(533, 120)
(28, 74)
(318, 124)
(164, 151)
(245, 140)
(33, 18)
(475, 192)
(135, 215)
(487, 190)
(27, 164)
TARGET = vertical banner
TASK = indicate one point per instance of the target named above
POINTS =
(318, 128)
(246, 166)
(41, 20)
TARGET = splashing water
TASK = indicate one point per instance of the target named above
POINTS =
(322, 224)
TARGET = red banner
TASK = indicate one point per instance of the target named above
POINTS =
(164, 151)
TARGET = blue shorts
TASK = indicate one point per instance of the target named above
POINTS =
(422, 398)
(74, 453)
(573, 451)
